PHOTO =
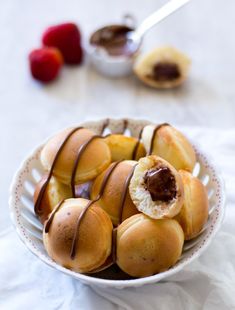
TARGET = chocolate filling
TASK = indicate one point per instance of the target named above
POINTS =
(164, 71)
(113, 38)
(161, 184)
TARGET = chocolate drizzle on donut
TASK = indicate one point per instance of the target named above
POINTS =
(124, 194)
(134, 153)
(51, 217)
(78, 158)
(106, 178)
(154, 135)
(76, 234)
(123, 199)
(37, 205)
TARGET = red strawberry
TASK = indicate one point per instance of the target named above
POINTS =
(67, 38)
(45, 63)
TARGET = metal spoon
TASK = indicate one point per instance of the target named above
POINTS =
(170, 7)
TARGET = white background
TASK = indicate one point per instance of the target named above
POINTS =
(30, 112)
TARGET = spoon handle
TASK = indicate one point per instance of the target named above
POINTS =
(159, 15)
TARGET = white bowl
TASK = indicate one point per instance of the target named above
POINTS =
(29, 228)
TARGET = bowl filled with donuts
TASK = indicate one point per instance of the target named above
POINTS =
(117, 202)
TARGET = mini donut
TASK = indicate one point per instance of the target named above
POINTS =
(146, 246)
(156, 188)
(194, 213)
(93, 160)
(169, 143)
(164, 67)
(115, 199)
(54, 193)
(81, 247)
(123, 147)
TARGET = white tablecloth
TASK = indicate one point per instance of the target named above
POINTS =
(208, 283)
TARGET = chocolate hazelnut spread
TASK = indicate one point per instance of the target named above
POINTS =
(165, 72)
(114, 39)
(161, 184)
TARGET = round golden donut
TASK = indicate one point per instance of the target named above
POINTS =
(54, 193)
(124, 147)
(146, 246)
(164, 67)
(194, 213)
(93, 236)
(169, 143)
(95, 158)
(113, 201)
(156, 188)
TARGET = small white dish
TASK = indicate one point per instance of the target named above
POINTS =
(29, 228)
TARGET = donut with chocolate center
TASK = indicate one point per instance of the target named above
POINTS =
(156, 188)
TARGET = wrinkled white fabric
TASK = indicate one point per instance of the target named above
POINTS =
(207, 283)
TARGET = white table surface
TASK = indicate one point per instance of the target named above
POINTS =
(30, 112)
